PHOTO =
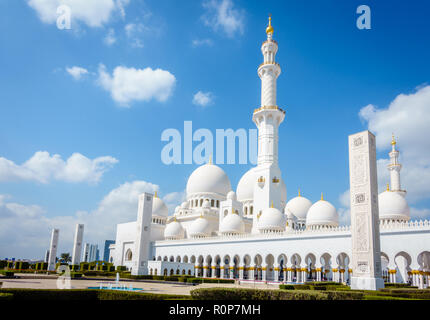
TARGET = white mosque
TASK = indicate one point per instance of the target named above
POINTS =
(255, 234)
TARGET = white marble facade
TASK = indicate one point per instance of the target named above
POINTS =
(256, 233)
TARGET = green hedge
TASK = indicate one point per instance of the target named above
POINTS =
(6, 296)
(121, 268)
(3, 264)
(398, 285)
(258, 294)
(319, 286)
(75, 275)
(7, 273)
(85, 294)
(209, 280)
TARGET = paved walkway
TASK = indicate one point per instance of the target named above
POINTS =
(152, 287)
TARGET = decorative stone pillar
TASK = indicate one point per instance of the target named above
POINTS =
(241, 269)
(276, 273)
(393, 278)
(221, 272)
(289, 274)
(206, 271)
(335, 274)
(421, 279)
(196, 271)
(284, 271)
(213, 272)
(342, 275)
(264, 273)
(318, 273)
(251, 273)
(231, 272)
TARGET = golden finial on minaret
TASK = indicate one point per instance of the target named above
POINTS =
(393, 140)
(269, 28)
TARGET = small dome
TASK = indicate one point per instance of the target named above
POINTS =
(208, 178)
(174, 230)
(299, 206)
(159, 208)
(393, 206)
(199, 228)
(245, 187)
(322, 213)
(184, 205)
(232, 223)
(206, 204)
(271, 219)
(231, 196)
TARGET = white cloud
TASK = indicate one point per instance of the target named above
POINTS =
(43, 168)
(94, 13)
(174, 199)
(76, 72)
(202, 42)
(203, 98)
(134, 31)
(221, 15)
(110, 38)
(127, 85)
(344, 211)
(408, 117)
(29, 225)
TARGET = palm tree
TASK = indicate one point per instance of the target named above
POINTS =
(65, 258)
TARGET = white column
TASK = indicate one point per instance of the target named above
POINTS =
(276, 273)
(264, 273)
(77, 244)
(206, 271)
(365, 237)
(53, 249)
(241, 272)
(143, 235)
(222, 272)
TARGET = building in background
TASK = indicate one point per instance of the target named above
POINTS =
(91, 253)
(106, 249)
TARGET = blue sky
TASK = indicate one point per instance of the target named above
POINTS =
(331, 71)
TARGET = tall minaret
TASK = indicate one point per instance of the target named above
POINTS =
(267, 118)
(394, 167)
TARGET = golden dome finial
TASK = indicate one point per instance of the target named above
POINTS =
(210, 159)
(155, 194)
(299, 193)
(393, 140)
(322, 196)
(388, 186)
(271, 206)
(269, 28)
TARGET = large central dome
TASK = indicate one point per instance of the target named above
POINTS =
(208, 178)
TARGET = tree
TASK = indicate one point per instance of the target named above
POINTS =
(65, 258)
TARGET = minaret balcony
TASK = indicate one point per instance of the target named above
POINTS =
(269, 108)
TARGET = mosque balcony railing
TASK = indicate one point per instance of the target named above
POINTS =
(269, 108)
(268, 41)
(269, 62)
